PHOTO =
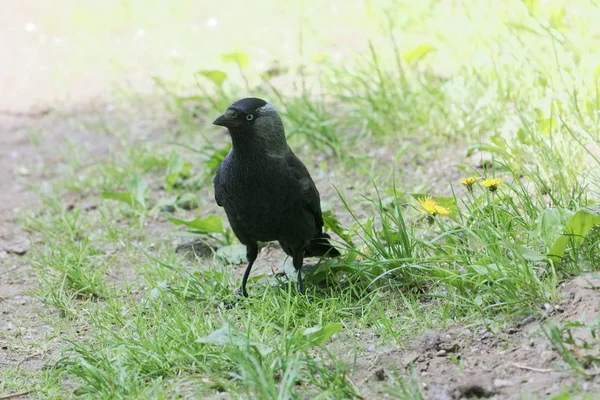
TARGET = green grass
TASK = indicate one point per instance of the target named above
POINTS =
(524, 92)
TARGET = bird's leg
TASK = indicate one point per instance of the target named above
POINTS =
(299, 282)
(298, 260)
(251, 254)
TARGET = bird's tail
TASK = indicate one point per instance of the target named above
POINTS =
(320, 246)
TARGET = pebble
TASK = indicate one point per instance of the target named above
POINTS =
(500, 383)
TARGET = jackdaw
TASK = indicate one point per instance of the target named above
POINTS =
(266, 191)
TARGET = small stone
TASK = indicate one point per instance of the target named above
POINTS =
(371, 348)
(10, 326)
(441, 353)
(22, 170)
(500, 383)
(380, 375)
(16, 249)
(430, 340)
(410, 358)
(547, 356)
(451, 348)
(466, 332)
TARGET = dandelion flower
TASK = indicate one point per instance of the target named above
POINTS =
(469, 182)
(492, 184)
(431, 207)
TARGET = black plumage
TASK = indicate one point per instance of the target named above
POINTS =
(266, 191)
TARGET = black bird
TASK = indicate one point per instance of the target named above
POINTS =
(266, 191)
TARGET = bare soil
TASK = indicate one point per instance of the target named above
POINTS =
(517, 363)
(20, 330)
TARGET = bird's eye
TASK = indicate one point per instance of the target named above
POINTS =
(249, 117)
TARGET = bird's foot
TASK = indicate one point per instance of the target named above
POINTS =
(240, 295)
(230, 305)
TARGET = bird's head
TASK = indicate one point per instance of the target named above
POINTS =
(254, 122)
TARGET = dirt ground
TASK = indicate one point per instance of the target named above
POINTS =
(517, 363)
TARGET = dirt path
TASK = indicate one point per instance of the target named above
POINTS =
(18, 310)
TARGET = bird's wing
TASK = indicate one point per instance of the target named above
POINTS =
(218, 188)
(310, 193)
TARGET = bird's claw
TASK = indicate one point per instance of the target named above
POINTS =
(240, 294)
(230, 305)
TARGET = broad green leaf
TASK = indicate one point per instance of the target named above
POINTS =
(550, 224)
(241, 59)
(174, 170)
(138, 187)
(257, 277)
(214, 75)
(208, 224)
(228, 335)
(136, 196)
(233, 254)
(530, 254)
(123, 197)
(574, 233)
(316, 335)
(417, 54)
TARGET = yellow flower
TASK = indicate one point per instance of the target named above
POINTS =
(492, 183)
(469, 182)
(431, 207)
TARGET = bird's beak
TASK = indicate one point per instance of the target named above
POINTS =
(227, 119)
